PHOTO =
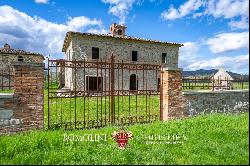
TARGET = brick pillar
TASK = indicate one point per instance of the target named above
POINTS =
(173, 103)
(28, 95)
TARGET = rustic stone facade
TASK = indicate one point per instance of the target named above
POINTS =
(230, 101)
(80, 48)
(172, 99)
(9, 56)
(23, 110)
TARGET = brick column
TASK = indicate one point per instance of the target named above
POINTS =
(28, 95)
(173, 102)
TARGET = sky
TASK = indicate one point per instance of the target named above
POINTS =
(215, 33)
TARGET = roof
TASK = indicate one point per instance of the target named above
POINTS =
(7, 50)
(223, 75)
(69, 34)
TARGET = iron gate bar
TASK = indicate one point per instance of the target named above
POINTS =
(88, 100)
(112, 90)
(122, 88)
(84, 100)
(101, 92)
(109, 92)
(114, 111)
(97, 74)
(118, 83)
(136, 92)
(105, 70)
(48, 93)
(129, 89)
(75, 91)
(146, 95)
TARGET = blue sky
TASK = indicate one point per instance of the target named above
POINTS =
(215, 33)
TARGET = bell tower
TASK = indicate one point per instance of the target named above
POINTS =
(117, 30)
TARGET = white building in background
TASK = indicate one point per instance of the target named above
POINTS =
(222, 79)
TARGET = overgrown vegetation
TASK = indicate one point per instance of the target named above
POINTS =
(211, 139)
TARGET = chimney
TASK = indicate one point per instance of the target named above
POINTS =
(6, 46)
(117, 30)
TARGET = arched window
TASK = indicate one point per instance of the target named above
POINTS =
(20, 59)
(133, 82)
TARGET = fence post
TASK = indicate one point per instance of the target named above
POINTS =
(173, 102)
(29, 94)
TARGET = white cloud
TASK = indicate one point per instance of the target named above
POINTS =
(36, 34)
(42, 1)
(191, 60)
(120, 8)
(189, 47)
(242, 24)
(227, 9)
(188, 54)
(236, 64)
(184, 10)
(228, 42)
(82, 21)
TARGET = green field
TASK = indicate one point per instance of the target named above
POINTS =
(211, 139)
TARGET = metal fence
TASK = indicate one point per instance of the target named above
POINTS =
(213, 84)
(89, 94)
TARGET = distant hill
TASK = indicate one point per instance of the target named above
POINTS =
(208, 73)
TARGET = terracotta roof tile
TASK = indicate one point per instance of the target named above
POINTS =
(68, 36)
(17, 51)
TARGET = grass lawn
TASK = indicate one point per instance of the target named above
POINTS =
(211, 139)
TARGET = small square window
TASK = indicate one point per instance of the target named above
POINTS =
(20, 59)
(164, 58)
(95, 53)
(134, 55)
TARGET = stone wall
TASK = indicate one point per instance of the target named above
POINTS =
(81, 48)
(6, 111)
(230, 101)
(23, 110)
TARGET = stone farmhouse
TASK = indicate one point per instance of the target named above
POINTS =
(97, 47)
(10, 56)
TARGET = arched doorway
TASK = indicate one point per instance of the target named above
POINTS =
(133, 82)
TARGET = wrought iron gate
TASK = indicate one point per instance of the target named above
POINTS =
(89, 94)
